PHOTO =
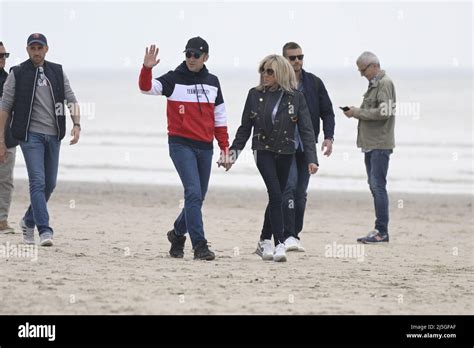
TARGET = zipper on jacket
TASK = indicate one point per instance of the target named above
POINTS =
(281, 126)
(31, 105)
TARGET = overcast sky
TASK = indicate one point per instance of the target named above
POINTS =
(85, 35)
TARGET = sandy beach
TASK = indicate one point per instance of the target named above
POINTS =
(111, 256)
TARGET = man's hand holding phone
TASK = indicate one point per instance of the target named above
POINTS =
(348, 111)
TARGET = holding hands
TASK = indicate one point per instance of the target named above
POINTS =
(225, 160)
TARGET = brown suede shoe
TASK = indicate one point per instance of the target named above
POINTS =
(5, 228)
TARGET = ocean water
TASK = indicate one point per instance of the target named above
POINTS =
(124, 137)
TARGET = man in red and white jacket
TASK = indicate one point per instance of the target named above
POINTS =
(196, 114)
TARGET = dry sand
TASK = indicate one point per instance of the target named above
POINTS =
(111, 256)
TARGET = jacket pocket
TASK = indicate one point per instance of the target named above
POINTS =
(371, 102)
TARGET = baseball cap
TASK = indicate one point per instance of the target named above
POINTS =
(37, 38)
(197, 44)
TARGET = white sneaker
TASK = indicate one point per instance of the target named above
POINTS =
(46, 239)
(265, 249)
(293, 244)
(28, 233)
(280, 253)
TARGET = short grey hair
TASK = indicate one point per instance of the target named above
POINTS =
(367, 58)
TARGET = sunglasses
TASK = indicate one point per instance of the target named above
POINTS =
(4, 55)
(196, 55)
(269, 72)
(293, 58)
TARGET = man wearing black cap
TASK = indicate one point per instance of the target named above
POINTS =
(35, 94)
(6, 168)
(196, 114)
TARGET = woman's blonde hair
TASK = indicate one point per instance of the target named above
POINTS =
(282, 70)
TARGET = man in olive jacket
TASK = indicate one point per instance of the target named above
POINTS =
(376, 138)
(6, 168)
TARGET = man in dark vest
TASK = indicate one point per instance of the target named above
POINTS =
(35, 94)
(6, 168)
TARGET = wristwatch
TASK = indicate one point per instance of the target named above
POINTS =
(77, 125)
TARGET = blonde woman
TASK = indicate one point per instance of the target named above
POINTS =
(273, 110)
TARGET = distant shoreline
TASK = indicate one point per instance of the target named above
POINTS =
(79, 185)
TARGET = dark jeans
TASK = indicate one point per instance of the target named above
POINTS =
(376, 163)
(41, 153)
(294, 198)
(274, 169)
(194, 168)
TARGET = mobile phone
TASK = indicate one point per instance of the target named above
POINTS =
(344, 108)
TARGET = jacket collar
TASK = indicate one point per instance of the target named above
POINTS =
(29, 64)
(303, 74)
(286, 99)
(183, 69)
(285, 93)
(375, 81)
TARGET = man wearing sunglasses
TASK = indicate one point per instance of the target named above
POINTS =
(6, 168)
(35, 94)
(376, 138)
(320, 108)
(196, 115)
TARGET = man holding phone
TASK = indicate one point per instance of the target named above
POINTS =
(376, 118)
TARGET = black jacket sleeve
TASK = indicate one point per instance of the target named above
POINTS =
(305, 128)
(327, 112)
(168, 82)
(245, 129)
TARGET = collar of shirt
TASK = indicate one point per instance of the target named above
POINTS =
(300, 85)
(376, 78)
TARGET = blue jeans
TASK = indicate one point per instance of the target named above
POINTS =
(194, 168)
(41, 153)
(376, 164)
(274, 169)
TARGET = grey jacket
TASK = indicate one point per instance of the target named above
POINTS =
(376, 115)
(278, 137)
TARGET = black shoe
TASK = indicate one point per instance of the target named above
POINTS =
(374, 237)
(202, 252)
(177, 244)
